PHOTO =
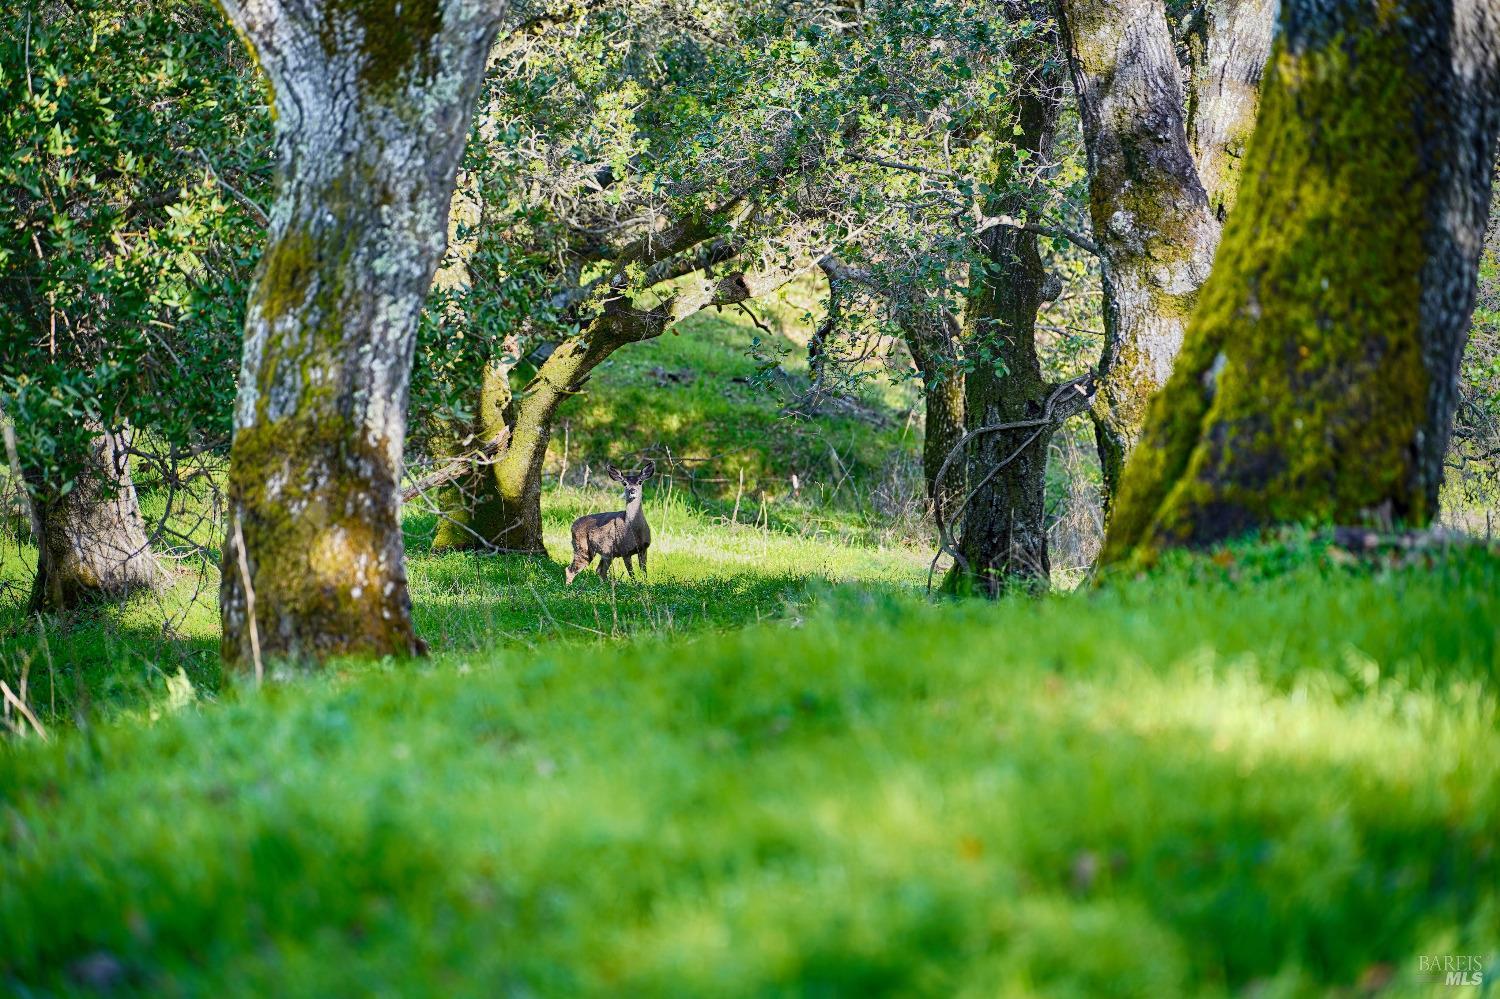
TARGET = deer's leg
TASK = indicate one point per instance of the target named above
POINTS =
(580, 563)
(629, 571)
(642, 558)
(604, 561)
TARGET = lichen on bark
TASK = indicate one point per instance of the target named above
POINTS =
(496, 505)
(1229, 42)
(322, 541)
(1153, 220)
(1305, 391)
(373, 103)
(391, 37)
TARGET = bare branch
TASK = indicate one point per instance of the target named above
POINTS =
(458, 466)
(907, 167)
(1056, 232)
(245, 201)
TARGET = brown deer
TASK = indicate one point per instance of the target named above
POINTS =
(618, 534)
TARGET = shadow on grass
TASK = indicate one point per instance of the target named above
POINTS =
(90, 663)
(466, 601)
(103, 661)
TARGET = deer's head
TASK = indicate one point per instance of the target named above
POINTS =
(632, 481)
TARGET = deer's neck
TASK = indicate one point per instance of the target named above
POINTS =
(633, 511)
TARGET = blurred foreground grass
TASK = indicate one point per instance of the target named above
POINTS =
(1270, 773)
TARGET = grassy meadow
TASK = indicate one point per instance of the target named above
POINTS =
(776, 768)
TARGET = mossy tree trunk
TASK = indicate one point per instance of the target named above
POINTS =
(372, 105)
(931, 336)
(1319, 376)
(1153, 220)
(1002, 542)
(476, 508)
(94, 537)
(497, 506)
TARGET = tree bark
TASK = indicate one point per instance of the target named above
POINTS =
(479, 509)
(1231, 41)
(498, 506)
(94, 536)
(1003, 541)
(930, 336)
(1319, 378)
(1153, 221)
(372, 104)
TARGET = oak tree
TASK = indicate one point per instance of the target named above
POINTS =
(1319, 376)
(373, 103)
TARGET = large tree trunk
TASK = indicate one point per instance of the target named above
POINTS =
(480, 508)
(1153, 222)
(498, 506)
(1319, 377)
(372, 107)
(483, 507)
(94, 539)
(1003, 541)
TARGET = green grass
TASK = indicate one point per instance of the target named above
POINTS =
(1274, 774)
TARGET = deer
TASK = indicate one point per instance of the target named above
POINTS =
(617, 534)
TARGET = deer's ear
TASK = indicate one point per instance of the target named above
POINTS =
(648, 470)
(615, 473)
